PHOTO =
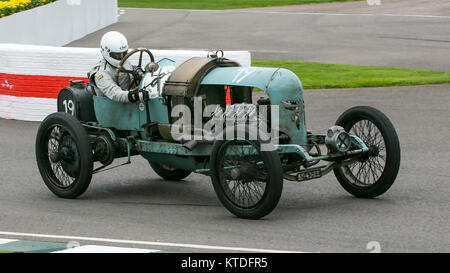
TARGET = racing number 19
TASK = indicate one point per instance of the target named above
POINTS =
(68, 106)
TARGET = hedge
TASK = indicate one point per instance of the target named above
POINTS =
(12, 6)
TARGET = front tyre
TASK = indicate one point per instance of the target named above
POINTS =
(375, 172)
(64, 155)
(247, 181)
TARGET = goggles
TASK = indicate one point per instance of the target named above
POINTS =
(118, 56)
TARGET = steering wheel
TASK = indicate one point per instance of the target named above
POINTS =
(121, 69)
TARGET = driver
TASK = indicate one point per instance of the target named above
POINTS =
(114, 46)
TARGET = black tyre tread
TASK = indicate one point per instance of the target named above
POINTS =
(172, 175)
(393, 154)
(272, 195)
(77, 131)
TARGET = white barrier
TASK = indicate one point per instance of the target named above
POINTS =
(31, 76)
(58, 23)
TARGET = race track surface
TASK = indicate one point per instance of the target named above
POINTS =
(393, 7)
(132, 203)
(399, 40)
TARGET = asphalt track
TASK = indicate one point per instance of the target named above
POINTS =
(132, 203)
(365, 38)
(390, 7)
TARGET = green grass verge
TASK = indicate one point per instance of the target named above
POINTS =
(324, 75)
(214, 4)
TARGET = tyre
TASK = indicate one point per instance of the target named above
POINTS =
(248, 185)
(64, 155)
(168, 172)
(375, 172)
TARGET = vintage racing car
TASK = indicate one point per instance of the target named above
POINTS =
(247, 169)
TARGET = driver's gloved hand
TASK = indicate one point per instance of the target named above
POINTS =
(141, 95)
(138, 73)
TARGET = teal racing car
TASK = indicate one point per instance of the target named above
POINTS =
(205, 118)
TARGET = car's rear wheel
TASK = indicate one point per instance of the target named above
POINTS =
(375, 172)
(247, 180)
(64, 155)
(169, 173)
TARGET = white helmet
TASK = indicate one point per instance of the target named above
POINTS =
(114, 46)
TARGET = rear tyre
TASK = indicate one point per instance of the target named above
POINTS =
(64, 155)
(374, 173)
(168, 172)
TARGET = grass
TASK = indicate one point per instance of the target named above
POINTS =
(325, 75)
(215, 4)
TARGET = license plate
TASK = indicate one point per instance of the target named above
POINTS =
(309, 174)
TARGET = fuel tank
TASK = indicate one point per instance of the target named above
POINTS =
(76, 100)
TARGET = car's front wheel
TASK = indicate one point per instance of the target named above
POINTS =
(373, 173)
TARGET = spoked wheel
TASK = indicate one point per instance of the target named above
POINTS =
(169, 173)
(375, 172)
(247, 181)
(64, 155)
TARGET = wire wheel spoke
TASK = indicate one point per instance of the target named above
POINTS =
(369, 168)
(243, 174)
(64, 179)
(59, 141)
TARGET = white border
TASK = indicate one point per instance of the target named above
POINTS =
(148, 243)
